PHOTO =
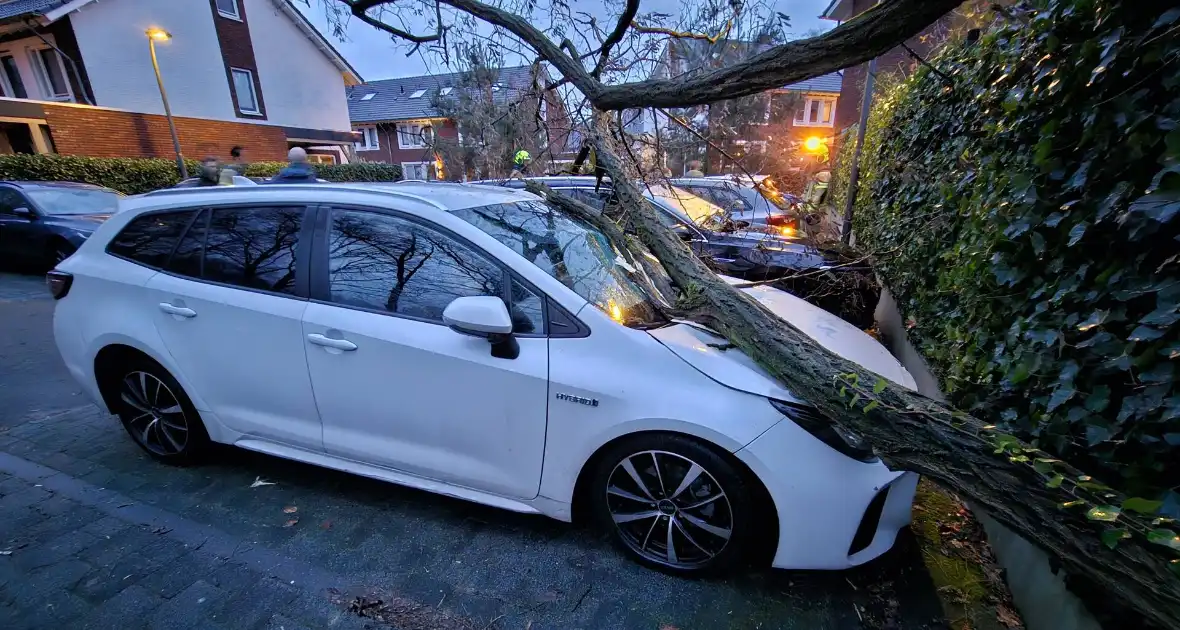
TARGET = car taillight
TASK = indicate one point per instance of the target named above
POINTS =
(784, 225)
(814, 422)
(59, 283)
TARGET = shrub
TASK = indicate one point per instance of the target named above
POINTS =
(1023, 204)
(139, 175)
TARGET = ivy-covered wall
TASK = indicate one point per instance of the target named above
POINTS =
(1022, 203)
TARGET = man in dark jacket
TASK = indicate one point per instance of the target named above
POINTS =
(210, 174)
(298, 171)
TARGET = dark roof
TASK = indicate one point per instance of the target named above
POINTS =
(391, 98)
(17, 8)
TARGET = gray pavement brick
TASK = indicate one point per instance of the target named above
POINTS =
(131, 608)
(188, 608)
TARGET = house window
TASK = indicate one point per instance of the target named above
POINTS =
(51, 74)
(13, 85)
(445, 91)
(817, 112)
(321, 158)
(368, 139)
(229, 9)
(417, 170)
(369, 96)
(244, 89)
(418, 93)
(413, 135)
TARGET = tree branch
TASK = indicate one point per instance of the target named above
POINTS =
(615, 36)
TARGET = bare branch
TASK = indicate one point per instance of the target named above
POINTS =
(615, 36)
(359, 8)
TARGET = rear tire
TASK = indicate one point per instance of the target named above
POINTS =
(157, 414)
(675, 504)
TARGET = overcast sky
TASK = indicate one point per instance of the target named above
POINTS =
(376, 56)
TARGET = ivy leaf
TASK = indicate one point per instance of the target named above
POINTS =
(855, 399)
(1077, 233)
(1168, 17)
(1111, 537)
(1165, 537)
(879, 386)
(1098, 399)
(1044, 465)
(1074, 503)
(1145, 333)
(1060, 396)
(1161, 205)
(1104, 513)
(1142, 506)
(871, 406)
(1055, 482)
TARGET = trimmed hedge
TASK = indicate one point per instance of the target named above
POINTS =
(1024, 206)
(139, 175)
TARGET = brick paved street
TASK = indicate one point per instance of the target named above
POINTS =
(95, 534)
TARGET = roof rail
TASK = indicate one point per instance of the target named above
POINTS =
(379, 190)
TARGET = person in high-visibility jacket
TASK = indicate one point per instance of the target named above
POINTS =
(520, 163)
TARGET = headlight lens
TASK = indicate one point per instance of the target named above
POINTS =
(814, 422)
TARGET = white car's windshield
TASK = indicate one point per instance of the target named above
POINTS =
(63, 201)
(575, 253)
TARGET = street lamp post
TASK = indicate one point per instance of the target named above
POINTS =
(154, 35)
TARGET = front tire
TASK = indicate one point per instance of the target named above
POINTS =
(675, 504)
(57, 252)
(158, 415)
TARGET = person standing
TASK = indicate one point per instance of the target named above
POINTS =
(297, 171)
(210, 174)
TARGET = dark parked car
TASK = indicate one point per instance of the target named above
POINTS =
(736, 248)
(741, 250)
(42, 223)
(760, 204)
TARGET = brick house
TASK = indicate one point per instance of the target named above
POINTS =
(765, 134)
(76, 78)
(404, 121)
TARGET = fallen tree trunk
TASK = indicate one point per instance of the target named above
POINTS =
(1086, 526)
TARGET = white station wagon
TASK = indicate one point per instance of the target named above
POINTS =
(475, 342)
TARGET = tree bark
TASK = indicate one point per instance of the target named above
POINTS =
(911, 432)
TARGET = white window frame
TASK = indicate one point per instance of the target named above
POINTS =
(37, 63)
(802, 117)
(253, 92)
(236, 14)
(368, 143)
(405, 131)
(429, 166)
(5, 83)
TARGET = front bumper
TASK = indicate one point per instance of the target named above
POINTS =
(834, 512)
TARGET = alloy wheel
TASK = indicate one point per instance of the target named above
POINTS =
(669, 509)
(155, 416)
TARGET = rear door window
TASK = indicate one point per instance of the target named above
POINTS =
(252, 248)
(149, 239)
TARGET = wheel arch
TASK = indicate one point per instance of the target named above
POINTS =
(106, 362)
(768, 533)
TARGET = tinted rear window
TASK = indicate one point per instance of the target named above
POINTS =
(150, 239)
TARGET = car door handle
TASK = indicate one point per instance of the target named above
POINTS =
(328, 342)
(177, 310)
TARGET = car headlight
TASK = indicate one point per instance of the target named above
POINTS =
(814, 422)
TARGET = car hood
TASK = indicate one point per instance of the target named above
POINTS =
(86, 222)
(704, 349)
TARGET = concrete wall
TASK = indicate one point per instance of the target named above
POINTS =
(1039, 593)
(111, 37)
(303, 88)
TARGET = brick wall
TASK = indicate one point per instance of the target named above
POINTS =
(106, 133)
(237, 51)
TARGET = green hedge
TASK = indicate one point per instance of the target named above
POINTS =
(1023, 207)
(139, 175)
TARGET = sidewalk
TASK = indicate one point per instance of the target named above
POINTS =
(78, 556)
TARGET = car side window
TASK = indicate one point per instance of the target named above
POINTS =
(10, 200)
(385, 263)
(149, 239)
(252, 247)
(187, 258)
(585, 195)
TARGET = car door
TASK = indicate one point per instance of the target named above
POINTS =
(398, 388)
(229, 308)
(20, 236)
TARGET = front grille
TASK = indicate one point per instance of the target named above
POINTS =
(869, 522)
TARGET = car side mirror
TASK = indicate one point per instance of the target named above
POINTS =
(483, 316)
(24, 212)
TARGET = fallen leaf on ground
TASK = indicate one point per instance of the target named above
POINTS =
(291, 523)
(5, 553)
(290, 509)
(326, 525)
(259, 482)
